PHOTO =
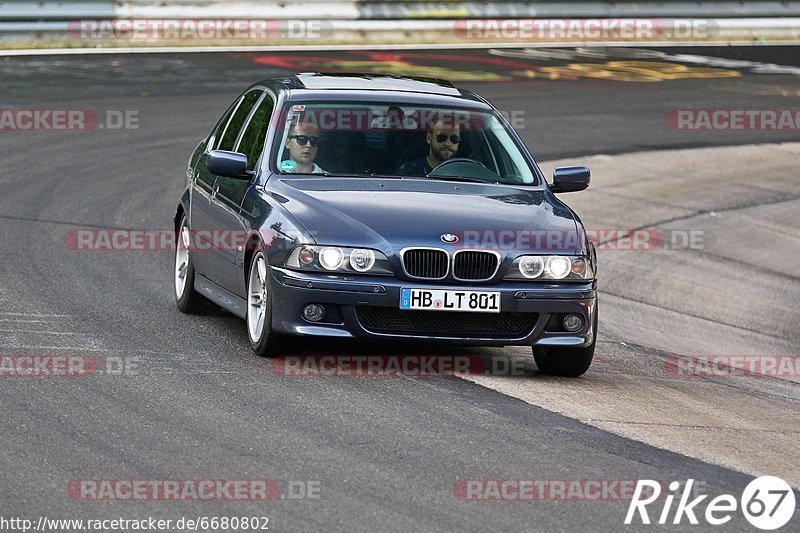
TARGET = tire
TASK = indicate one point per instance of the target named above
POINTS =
(566, 361)
(263, 340)
(187, 299)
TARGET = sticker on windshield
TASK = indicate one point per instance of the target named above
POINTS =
(288, 166)
(298, 108)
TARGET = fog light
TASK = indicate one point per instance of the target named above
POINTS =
(313, 312)
(572, 322)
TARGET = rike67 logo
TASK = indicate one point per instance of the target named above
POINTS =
(767, 503)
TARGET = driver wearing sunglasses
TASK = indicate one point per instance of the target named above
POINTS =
(443, 141)
(303, 145)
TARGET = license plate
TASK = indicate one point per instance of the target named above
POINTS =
(450, 300)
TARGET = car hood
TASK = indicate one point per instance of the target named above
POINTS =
(391, 214)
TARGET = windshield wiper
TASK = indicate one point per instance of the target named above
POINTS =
(459, 178)
(357, 175)
(389, 176)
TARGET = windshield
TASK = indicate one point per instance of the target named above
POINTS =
(399, 140)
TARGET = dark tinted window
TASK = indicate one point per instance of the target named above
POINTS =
(219, 127)
(252, 143)
(237, 121)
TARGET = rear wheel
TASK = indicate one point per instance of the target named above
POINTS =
(565, 360)
(187, 299)
(259, 307)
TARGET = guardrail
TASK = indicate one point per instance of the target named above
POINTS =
(389, 10)
(28, 10)
(47, 21)
(577, 9)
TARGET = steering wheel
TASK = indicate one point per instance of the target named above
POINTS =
(456, 160)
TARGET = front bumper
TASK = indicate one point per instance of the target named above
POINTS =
(292, 290)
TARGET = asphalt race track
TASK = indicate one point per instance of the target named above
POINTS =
(187, 400)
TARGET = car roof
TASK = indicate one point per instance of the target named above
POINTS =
(311, 85)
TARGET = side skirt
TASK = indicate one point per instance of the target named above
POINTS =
(221, 297)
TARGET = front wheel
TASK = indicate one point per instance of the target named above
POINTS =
(564, 360)
(259, 307)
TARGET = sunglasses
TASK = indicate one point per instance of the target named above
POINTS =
(455, 139)
(303, 140)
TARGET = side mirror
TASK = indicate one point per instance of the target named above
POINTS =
(570, 179)
(228, 164)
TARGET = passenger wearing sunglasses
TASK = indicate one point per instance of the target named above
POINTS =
(303, 145)
(443, 142)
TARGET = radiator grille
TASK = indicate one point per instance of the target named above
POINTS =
(475, 265)
(425, 263)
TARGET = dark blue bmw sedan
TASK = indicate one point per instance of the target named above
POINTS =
(378, 207)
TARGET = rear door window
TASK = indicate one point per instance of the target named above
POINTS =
(252, 143)
(228, 138)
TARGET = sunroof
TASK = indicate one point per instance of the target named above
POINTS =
(377, 82)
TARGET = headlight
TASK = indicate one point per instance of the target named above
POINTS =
(331, 258)
(551, 267)
(558, 267)
(339, 259)
(362, 260)
(531, 266)
(578, 266)
(305, 256)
